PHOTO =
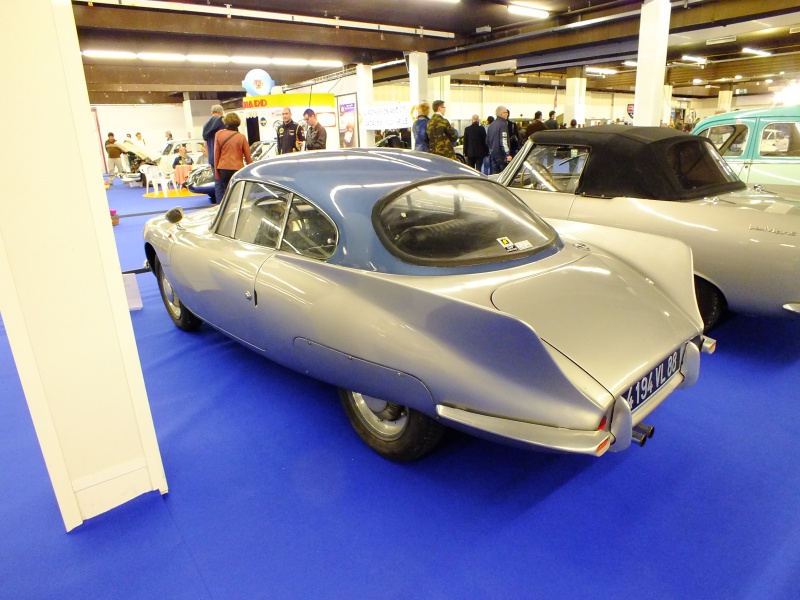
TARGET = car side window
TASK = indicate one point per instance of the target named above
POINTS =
(551, 169)
(308, 231)
(730, 140)
(780, 139)
(227, 220)
(262, 213)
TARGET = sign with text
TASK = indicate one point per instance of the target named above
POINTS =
(387, 116)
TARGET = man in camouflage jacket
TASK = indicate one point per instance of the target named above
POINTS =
(440, 133)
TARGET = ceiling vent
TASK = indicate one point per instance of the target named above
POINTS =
(721, 40)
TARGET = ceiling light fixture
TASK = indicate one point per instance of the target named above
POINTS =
(697, 81)
(208, 58)
(526, 10)
(601, 71)
(729, 39)
(109, 54)
(698, 59)
(630, 63)
(768, 81)
(737, 76)
(160, 56)
(756, 52)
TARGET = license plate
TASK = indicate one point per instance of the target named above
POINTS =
(646, 387)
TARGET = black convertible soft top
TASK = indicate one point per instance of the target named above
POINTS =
(645, 162)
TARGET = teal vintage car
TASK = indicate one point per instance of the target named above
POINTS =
(762, 146)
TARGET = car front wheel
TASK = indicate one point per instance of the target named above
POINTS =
(180, 315)
(394, 431)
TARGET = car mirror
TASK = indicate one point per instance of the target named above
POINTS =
(174, 215)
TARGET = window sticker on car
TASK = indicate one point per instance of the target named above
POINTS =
(512, 246)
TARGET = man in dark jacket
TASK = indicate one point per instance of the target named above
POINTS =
(536, 125)
(290, 134)
(497, 140)
(316, 136)
(551, 122)
(475, 148)
(210, 129)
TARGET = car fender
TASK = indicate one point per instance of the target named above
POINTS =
(665, 261)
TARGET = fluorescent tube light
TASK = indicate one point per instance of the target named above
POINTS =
(161, 56)
(756, 52)
(208, 58)
(728, 39)
(251, 60)
(697, 81)
(601, 71)
(698, 59)
(109, 54)
(527, 11)
(630, 63)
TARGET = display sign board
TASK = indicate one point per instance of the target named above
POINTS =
(387, 116)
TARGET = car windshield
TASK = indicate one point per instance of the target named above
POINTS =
(459, 222)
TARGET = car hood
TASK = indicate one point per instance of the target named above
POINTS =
(764, 201)
(602, 315)
(139, 150)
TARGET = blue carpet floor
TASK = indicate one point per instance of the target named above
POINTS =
(273, 495)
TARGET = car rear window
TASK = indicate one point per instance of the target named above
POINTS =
(455, 222)
(696, 165)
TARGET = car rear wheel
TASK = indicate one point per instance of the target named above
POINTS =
(710, 301)
(180, 315)
(394, 431)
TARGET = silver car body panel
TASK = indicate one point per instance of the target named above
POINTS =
(745, 243)
(533, 345)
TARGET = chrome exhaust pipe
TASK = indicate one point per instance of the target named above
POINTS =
(638, 437)
(645, 430)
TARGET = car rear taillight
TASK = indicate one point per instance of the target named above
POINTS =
(603, 423)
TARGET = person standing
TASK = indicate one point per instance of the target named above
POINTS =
(475, 148)
(230, 151)
(497, 140)
(210, 129)
(420, 128)
(115, 164)
(551, 122)
(316, 136)
(441, 134)
(290, 134)
(140, 139)
(169, 135)
(535, 125)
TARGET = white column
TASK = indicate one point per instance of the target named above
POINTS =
(652, 59)
(575, 100)
(61, 291)
(440, 89)
(195, 115)
(418, 80)
(725, 101)
(366, 139)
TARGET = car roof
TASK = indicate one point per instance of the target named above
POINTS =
(631, 161)
(378, 171)
(777, 112)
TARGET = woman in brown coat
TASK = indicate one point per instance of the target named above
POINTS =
(231, 151)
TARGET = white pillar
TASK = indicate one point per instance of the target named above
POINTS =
(575, 100)
(652, 62)
(440, 88)
(725, 101)
(195, 115)
(61, 291)
(366, 139)
(418, 80)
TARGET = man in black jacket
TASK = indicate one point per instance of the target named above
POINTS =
(290, 134)
(475, 148)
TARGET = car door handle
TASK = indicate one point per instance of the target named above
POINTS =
(248, 295)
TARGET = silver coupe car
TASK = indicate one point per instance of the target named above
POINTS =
(432, 297)
(662, 181)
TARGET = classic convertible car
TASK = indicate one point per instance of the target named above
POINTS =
(432, 296)
(662, 181)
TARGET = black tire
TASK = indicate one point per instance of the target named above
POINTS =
(394, 431)
(710, 301)
(180, 315)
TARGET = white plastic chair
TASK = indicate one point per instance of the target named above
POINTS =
(155, 177)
